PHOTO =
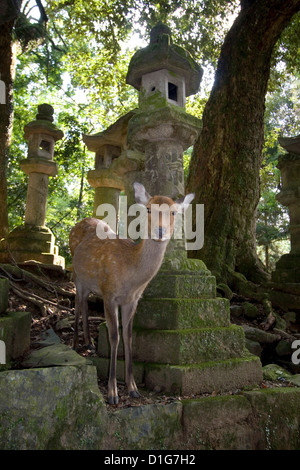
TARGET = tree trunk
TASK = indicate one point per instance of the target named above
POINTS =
(225, 165)
(7, 69)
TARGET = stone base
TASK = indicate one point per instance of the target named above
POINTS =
(190, 379)
(30, 244)
(179, 347)
(287, 269)
(183, 341)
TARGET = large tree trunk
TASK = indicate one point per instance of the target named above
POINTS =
(7, 69)
(224, 170)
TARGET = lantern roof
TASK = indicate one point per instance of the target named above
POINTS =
(161, 53)
(43, 123)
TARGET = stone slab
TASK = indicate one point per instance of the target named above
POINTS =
(23, 256)
(180, 346)
(277, 413)
(54, 355)
(208, 377)
(190, 379)
(51, 408)
(171, 314)
(181, 286)
(47, 338)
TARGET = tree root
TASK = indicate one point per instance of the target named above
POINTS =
(15, 274)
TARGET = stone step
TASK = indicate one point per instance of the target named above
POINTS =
(185, 286)
(36, 241)
(208, 377)
(173, 314)
(180, 346)
(23, 256)
(190, 379)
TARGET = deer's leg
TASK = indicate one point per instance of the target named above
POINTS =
(81, 308)
(111, 314)
(85, 319)
(128, 312)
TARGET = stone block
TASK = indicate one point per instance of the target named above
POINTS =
(277, 412)
(188, 346)
(153, 426)
(4, 289)
(190, 379)
(181, 286)
(207, 377)
(44, 258)
(172, 314)
(51, 408)
(26, 243)
(36, 241)
(15, 332)
(54, 355)
(224, 422)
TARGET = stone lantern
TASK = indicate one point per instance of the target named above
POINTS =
(107, 176)
(183, 341)
(164, 75)
(288, 266)
(39, 165)
(34, 241)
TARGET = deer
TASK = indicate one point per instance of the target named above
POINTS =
(118, 270)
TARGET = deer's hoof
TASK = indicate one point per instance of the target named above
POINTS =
(134, 394)
(113, 400)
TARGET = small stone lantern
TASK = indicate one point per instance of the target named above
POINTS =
(34, 241)
(39, 165)
(107, 176)
(288, 266)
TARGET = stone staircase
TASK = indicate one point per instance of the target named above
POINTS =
(183, 341)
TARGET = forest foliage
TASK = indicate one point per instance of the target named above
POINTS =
(79, 64)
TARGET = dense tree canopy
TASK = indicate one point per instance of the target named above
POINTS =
(76, 58)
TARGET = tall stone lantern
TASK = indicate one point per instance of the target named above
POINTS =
(164, 75)
(288, 266)
(34, 241)
(183, 341)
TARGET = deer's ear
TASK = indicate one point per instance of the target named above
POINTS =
(183, 203)
(141, 195)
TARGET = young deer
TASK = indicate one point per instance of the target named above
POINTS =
(119, 270)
